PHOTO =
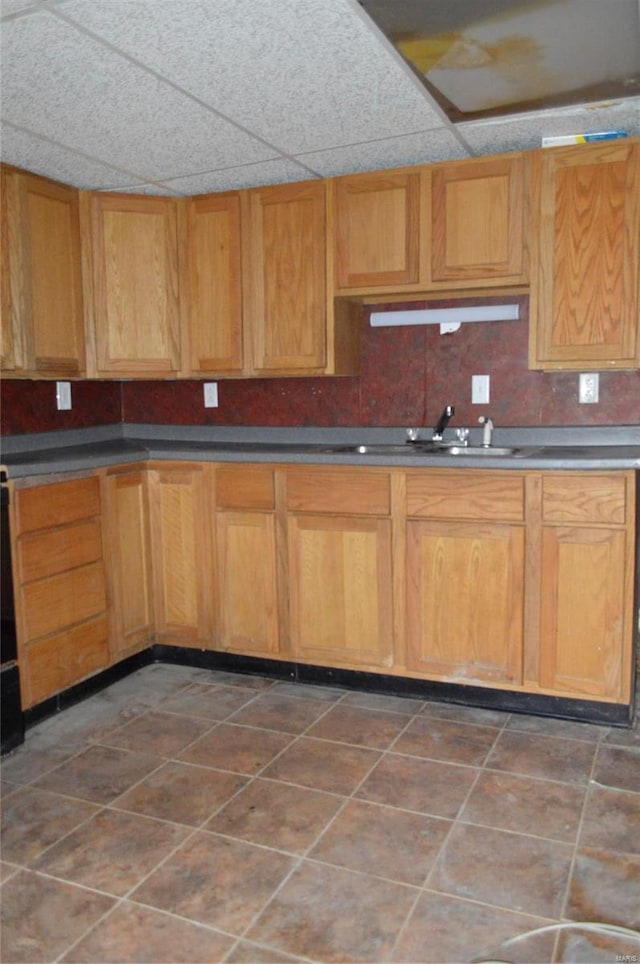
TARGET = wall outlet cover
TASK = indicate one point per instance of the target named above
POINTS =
(589, 388)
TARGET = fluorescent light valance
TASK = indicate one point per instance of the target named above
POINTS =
(449, 319)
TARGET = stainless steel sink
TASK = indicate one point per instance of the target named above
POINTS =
(423, 448)
(473, 450)
(375, 448)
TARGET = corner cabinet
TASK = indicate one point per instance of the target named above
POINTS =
(585, 308)
(42, 295)
(135, 253)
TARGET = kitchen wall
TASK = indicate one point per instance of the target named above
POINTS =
(407, 375)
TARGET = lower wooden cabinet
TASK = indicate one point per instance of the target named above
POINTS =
(246, 581)
(465, 598)
(180, 542)
(586, 584)
(127, 538)
(61, 592)
(340, 591)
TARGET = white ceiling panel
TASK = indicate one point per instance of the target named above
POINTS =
(41, 156)
(525, 131)
(427, 146)
(303, 74)
(195, 96)
(109, 107)
(266, 172)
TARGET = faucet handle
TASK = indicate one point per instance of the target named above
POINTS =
(462, 435)
(412, 434)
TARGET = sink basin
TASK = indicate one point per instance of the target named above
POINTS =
(474, 450)
(423, 448)
(375, 448)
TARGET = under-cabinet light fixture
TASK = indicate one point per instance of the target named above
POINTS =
(449, 319)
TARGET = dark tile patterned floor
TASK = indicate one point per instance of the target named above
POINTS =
(189, 815)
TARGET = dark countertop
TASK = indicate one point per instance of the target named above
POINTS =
(601, 448)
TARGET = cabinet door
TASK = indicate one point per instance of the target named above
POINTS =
(284, 277)
(582, 617)
(136, 285)
(246, 582)
(215, 295)
(377, 229)
(340, 590)
(44, 296)
(10, 347)
(584, 294)
(181, 554)
(127, 535)
(465, 600)
(478, 222)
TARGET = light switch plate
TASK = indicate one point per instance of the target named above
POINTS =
(480, 389)
(63, 396)
(210, 394)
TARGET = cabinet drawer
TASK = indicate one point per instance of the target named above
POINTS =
(51, 551)
(62, 660)
(600, 498)
(244, 488)
(45, 506)
(330, 490)
(466, 495)
(62, 600)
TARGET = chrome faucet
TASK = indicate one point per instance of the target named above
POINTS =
(443, 421)
(486, 431)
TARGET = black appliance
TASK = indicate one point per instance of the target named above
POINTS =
(11, 715)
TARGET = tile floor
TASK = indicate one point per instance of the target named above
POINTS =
(194, 815)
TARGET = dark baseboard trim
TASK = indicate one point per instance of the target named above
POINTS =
(585, 711)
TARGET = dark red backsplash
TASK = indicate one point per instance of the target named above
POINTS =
(407, 375)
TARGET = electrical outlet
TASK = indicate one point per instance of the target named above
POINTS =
(210, 394)
(589, 388)
(480, 389)
(63, 396)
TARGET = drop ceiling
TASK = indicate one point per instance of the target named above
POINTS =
(192, 96)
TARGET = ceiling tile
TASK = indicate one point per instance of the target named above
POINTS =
(525, 131)
(33, 153)
(231, 179)
(303, 74)
(422, 148)
(108, 107)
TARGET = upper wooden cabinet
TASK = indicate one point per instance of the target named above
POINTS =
(215, 284)
(42, 303)
(136, 280)
(284, 277)
(445, 226)
(377, 229)
(584, 292)
(478, 222)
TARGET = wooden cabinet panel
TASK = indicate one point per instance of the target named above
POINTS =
(284, 277)
(42, 296)
(215, 284)
(377, 229)
(478, 230)
(584, 611)
(338, 490)
(180, 538)
(246, 581)
(466, 495)
(10, 336)
(136, 282)
(70, 597)
(57, 662)
(245, 487)
(127, 537)
(585, 498)
(584, 293)
(54, 550)
(465, 598)
(44, 506)
(340, 592)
